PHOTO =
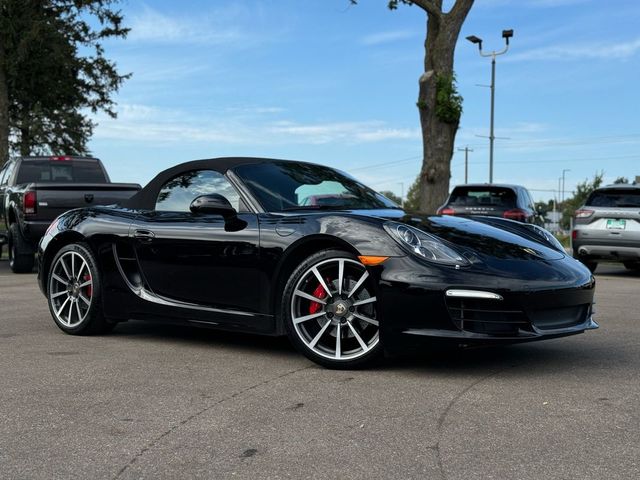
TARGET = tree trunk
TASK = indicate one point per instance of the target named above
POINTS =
(4, 109)
(438, 136)
(25, 130)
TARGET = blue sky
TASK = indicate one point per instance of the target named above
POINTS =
(323, 81)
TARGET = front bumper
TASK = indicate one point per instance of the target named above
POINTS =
(529, 303)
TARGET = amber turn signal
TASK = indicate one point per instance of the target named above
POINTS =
(370, 261)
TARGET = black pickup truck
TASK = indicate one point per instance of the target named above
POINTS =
(35, 190)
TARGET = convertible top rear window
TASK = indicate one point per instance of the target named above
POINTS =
(281, 186)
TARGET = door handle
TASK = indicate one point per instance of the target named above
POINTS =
(145, 235)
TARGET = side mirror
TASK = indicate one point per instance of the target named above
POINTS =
(213, 204)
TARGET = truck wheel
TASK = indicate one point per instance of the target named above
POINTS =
(21, 258)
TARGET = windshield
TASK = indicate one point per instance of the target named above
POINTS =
(281, 186)
(615, 198)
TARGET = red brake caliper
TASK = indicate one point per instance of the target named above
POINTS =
(320, 293)
(87, 278)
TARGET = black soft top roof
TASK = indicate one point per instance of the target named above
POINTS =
(146, 198)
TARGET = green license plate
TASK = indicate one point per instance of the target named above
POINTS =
(616, 224)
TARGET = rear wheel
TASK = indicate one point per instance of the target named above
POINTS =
(330, 311)
(21, 257)
(74, 292)
(590, 264)
(634, 266)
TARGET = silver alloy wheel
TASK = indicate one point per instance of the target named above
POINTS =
(334, 310)
(70, 289)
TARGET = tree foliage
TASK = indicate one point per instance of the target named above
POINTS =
(543, 208)
(448, 101)
(392, 196)
(412, 202)
(54, 73)
(621, 180)
(580, 195)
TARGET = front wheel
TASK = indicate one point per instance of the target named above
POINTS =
(74, 292)
(329, 308)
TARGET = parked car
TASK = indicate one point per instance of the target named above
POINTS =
(507, 201)
(226, 243)
(35, 190)
(607, 227)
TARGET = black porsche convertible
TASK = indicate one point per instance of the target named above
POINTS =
(290, 248)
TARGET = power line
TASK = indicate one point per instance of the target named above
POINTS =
(567, 141)
(385, 164)
(575, 141)
(565, 160)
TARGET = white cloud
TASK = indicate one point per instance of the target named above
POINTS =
(254, 110)
(250, 126)
(154, 27)
(613, 50)
(385, 37)
(350, 132)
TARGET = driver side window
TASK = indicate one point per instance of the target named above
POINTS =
(177, 194)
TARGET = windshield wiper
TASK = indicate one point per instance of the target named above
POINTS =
(632, 205)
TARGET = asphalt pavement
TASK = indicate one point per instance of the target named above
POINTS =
(154, 401)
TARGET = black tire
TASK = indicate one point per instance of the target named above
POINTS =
(80, 296)
(633, 266)
(21, 256)
(343, 315)
(590, 265)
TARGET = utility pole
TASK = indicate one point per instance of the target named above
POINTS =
(559, 188)
(466, 151)
(563, 172)
(506, 34)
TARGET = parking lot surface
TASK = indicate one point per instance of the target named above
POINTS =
(155, 401)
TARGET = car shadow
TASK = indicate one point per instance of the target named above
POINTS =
(190, 335)
(546, 357)
(537, 358)
(615, 270)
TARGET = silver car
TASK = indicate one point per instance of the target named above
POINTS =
(607, 227)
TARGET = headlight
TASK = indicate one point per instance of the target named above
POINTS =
(548, 237)
(424, 245)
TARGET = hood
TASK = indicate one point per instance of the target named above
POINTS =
(476, 239)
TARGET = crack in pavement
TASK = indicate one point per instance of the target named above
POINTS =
(195, 415)
(445, 413)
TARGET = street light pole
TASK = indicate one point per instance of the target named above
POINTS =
(506, 34)
(466, 151)
(560, 189)
(563, 172)
(493, 100)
